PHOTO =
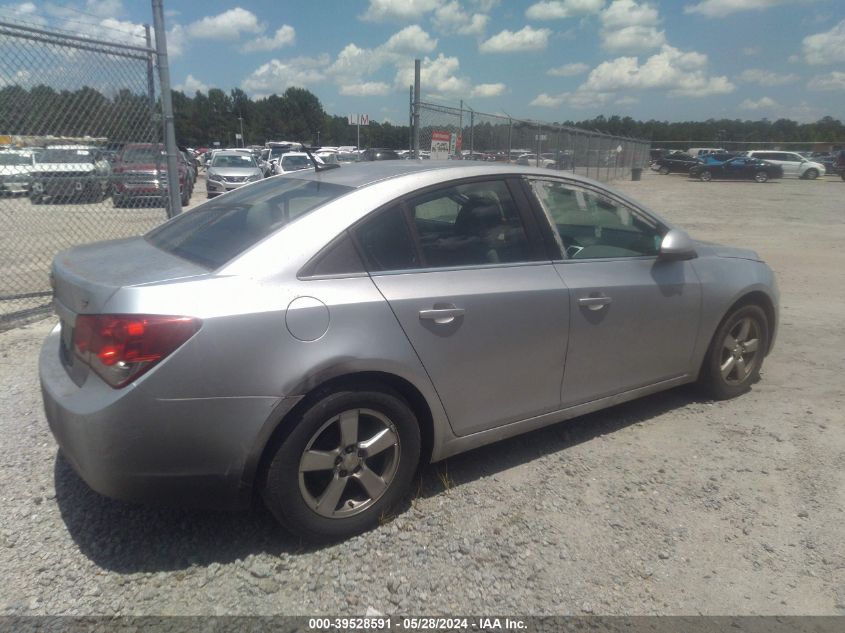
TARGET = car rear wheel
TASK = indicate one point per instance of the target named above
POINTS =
(664, 171)
(761, 176)
(348, 459)
(736, 353)
(706, 176)
(811, 174)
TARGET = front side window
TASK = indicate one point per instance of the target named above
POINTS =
(592, 226)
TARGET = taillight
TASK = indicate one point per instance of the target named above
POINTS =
(121, 347)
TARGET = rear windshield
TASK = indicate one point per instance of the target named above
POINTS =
(292, 163)
(223, 228)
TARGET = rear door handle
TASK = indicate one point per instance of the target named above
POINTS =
(442, 316)
(594, 303)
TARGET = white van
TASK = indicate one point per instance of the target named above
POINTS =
(698, 152)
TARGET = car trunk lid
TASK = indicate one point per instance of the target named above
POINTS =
(84, 278)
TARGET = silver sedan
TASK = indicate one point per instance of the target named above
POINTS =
(316, 337)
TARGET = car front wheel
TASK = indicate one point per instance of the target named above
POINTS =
(736, 353)
(349, 458)
(811, 174)
(706, 176)
(664, 171)
(761, 176)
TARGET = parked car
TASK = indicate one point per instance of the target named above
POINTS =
(234, 351)
(140, 176)
(379, 153)
(839, 163)
(697, 152)
(793, 163)
(674, 163)
(532, 160)
(15, 171)
(739, 168)
(70, 172)
(229, 170)
(293, 161)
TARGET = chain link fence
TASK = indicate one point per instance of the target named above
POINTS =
(81, 154)
(447, 132)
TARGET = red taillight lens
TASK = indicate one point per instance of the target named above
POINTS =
(121, 347)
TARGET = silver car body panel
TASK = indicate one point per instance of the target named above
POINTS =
(269, 337)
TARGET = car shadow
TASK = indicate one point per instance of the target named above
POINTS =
(128, 538)
(515, 451)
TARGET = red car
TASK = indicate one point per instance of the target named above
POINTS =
(140, 174)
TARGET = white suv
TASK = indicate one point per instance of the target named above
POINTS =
(793, 164)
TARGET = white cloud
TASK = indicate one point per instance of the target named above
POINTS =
(827, 47)
(766, 77)
(751, 50)
(562, 9)
(679, 73)
(104, 8)
(485, 5)
(411, 40)
(25, 11)
(633, 39)
(175, 41)
(488, 90)
(631, 27)
(764, 103)
(451, 18)
(833, 81)
(276, 75)
(191, 85)
(624, 101)
(284, 36)
(721, 8)
(398, 10)
(227, 26)
(581, 98)
(568, 70)
(366, 89)
(438, 77)
(526, 39)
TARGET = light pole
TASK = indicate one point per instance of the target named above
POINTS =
(241, 120)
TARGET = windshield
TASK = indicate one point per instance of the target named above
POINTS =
(143, 155)
(241, 160)
(292, 163)
(66, 156)
(221, 229)
(15, 159)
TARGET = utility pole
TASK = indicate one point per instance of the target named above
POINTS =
(243, 140)
(167, 111)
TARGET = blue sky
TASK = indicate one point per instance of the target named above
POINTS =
(551, 59)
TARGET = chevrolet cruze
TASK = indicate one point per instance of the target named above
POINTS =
(311, 339)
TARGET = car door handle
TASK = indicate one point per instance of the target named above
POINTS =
(594, 303)
(442, 316)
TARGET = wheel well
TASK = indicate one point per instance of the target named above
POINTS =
(368, 380)
(760, 299)
(752, 298)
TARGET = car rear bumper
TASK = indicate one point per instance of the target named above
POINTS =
(129, 445)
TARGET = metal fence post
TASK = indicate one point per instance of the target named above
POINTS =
(416, 126)
(174, 195)
(471, 131)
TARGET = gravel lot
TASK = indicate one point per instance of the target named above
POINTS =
(667, 505)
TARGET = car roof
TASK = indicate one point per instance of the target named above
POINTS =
(229, 152)
(358, 175)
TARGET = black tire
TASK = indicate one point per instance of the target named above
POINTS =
(118, 201)
(761, 176)
(811, 174)
(286, 491)
(842, 175)
(705, 176)
(186, 197)
(716, 383)
(34, 198)
(664, 171)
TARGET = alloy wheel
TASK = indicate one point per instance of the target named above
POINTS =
(349, 463)
(740, 351)
(761, 176)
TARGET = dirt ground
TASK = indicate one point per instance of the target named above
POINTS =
(668, 505)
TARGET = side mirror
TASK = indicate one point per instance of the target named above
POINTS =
(677, 246)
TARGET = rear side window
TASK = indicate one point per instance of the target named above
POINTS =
(387, 243)
(221, 229)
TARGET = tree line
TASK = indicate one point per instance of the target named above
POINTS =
(298, 115)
